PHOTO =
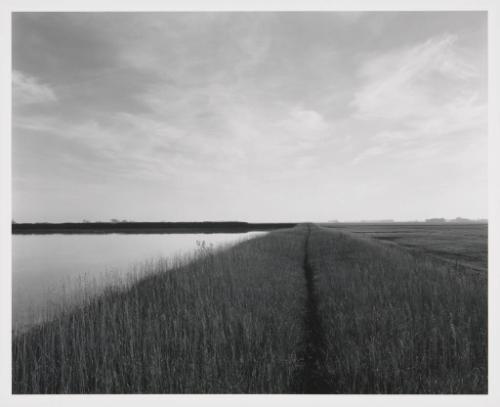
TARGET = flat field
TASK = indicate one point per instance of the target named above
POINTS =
(465, 243)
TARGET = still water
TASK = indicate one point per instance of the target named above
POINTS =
(50, 270)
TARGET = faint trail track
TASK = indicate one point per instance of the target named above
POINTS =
(312, 377)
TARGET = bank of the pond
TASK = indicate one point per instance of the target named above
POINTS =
(227, 322)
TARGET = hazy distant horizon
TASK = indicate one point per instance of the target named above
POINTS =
(116, 220)
(254, 116)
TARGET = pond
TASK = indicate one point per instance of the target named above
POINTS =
(56, 269)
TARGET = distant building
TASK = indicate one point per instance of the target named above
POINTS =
(436, 220)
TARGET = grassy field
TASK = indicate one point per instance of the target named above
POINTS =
(396, 321)
(228, 322)
(465, 244)
(303, 310)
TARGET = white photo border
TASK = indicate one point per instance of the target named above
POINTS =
(491, 6)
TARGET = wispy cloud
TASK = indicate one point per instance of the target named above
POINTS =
(421, 100)
(369, 152)
(27, 90)
(304, 121)
(401, 84)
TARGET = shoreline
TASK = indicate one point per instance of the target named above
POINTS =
(145, 227)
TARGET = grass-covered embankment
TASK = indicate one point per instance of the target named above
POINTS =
(228, 322)
(396, 322)
(305, 310)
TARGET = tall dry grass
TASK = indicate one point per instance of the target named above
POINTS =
(396, 322)
(356, 314)
(228, 321)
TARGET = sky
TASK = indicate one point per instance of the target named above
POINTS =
(299, 116)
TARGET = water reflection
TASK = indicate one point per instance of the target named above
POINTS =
(50, 269)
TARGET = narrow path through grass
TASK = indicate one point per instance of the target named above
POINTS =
(312, 377)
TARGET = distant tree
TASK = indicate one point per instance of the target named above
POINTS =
(436, 220)
(86, 221)
(114, 220)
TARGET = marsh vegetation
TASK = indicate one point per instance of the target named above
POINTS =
(301, 310)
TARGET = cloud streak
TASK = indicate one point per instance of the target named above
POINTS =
(427, 97)
(28, 90)
(400, 84)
